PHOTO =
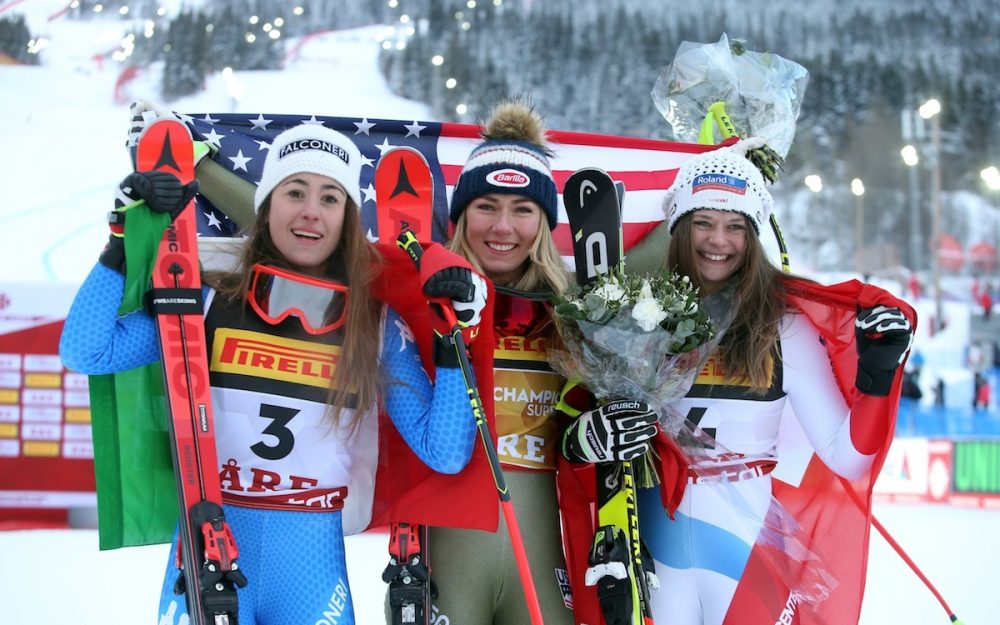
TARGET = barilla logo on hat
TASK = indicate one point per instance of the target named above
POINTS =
(508, 178)
(719, 182)
(314, 144)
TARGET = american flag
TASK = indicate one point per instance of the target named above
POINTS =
(646, 167)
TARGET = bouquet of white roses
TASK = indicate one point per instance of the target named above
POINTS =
(635, 337)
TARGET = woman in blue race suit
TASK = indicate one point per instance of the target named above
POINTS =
(297, 444)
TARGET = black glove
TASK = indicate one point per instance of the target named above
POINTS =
(883, 336)
(466, 290)
(619, 430)
(113, 255)
(162, 192)
(446, 352)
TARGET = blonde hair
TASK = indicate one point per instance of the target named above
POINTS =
(545, 269)
(354, 262)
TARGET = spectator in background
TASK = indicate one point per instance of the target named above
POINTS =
(911, 384)
(914, 286)
(981, 400)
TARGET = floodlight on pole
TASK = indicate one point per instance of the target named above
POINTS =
(814, 183)
(858, 189)
(931, 110)
(991, 176)
(911, 158)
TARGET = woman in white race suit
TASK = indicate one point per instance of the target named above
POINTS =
(772, 357)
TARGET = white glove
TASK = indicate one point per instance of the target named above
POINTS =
(142, 113)
(470, 313)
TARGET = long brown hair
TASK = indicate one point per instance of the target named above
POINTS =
(354, 262)
(748, 351)
(545, 269)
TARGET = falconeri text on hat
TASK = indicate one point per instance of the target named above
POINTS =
(314, 149)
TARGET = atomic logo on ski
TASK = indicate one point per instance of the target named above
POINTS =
(403, 183)
(404, 192)
(166, 157)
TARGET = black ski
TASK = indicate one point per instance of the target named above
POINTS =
(593, 205)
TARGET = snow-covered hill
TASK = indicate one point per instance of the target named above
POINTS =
(64, 136)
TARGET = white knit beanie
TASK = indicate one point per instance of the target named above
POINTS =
(314, 149)
(722, 179)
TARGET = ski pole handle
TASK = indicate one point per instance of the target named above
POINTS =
(407, 241)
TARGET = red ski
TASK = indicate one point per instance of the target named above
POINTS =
(207, 551)
(404, 191)
(405, 201)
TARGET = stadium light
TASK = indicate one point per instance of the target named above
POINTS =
(911, 159)
(858, 189)
(814, 183)
(991, 176)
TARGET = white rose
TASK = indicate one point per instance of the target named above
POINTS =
(610, 292)
(648, 314)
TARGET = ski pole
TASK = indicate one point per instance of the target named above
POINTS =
(407, 241)
(902, 554)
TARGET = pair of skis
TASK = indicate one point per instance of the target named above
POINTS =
(617, 564)
(207, 552)
(404, 192)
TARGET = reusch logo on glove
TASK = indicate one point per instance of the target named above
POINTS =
(625, 405)
(314, 144)
(719, 182)
(508, 178)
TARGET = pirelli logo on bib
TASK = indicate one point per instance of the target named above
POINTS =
(271, 357)
(520, 348)
(713, 373)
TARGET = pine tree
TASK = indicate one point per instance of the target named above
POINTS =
(14, 40)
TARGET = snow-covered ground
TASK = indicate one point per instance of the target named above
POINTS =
(63, 139)
(59, 576)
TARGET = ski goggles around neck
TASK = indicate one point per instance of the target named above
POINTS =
(520, 313)
(276, 294)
